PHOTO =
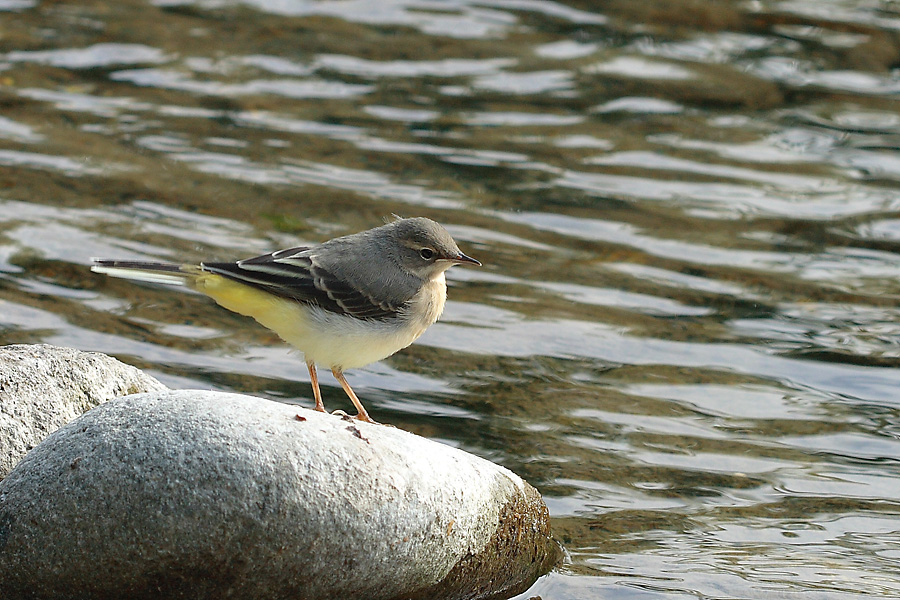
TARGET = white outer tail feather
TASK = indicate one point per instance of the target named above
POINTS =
(141, 275)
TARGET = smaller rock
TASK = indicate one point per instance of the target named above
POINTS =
(43, 387)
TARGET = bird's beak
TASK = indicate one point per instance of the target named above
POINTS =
(462, 259)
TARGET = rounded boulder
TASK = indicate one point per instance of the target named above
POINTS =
(192, 494)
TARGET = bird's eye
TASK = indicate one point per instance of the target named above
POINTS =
(426, 253)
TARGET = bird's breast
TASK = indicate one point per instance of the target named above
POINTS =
(427, 305)
(346, 342)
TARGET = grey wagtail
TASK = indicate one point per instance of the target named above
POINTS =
(345, 303)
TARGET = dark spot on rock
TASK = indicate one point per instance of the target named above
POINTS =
(299, 418)
(352, 429)
(74, 463)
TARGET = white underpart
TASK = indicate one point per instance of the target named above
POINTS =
(334, 340)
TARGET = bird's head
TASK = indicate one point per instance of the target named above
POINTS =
(426, 249)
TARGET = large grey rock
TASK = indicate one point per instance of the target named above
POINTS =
(209, 495)
(44, 387)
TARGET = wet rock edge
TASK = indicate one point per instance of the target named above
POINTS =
(475, 576)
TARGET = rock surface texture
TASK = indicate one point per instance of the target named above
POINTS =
(44, 387)
(206, 495)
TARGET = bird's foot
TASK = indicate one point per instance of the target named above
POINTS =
(365, 418)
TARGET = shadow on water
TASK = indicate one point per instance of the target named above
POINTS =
(685, 330)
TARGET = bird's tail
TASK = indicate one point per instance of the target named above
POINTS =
(151, 272)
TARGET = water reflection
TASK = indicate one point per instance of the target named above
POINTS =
(98, 55)
(685, 332)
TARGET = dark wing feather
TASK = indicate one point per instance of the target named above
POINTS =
(293, 274)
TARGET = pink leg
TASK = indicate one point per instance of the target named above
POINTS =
(314, 379)
(363, 415)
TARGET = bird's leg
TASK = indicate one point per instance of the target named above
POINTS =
(363, 415)
(314, 379)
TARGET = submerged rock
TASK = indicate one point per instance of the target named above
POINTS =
(199, 495)
(44, 387)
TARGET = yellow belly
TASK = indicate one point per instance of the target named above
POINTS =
(324, 337)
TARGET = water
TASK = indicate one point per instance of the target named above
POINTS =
(685, 332)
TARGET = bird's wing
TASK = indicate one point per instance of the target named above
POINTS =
(294, 274)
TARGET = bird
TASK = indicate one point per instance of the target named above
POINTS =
(344, 304)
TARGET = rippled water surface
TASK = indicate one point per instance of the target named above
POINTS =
(685, 330)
